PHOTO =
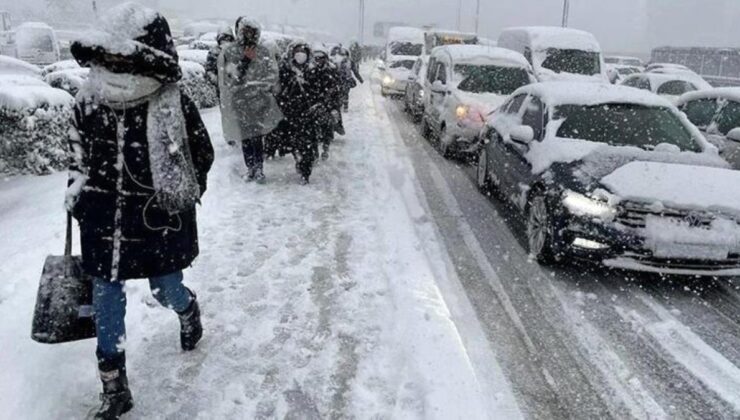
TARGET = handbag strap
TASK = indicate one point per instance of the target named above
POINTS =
(68, 240)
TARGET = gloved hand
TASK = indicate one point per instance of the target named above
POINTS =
(72, 195)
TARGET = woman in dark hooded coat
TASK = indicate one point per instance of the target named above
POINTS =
(141, 155)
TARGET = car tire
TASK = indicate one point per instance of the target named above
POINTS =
(541, 225)
(426, 131)
(483, 178)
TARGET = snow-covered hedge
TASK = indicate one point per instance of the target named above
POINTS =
(34, 124)
(197, 87)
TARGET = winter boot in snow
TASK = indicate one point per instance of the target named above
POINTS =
(116, 396)
(259, 176)
(191, 330)
(304, 180)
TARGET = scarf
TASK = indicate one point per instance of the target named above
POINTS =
(173, 173)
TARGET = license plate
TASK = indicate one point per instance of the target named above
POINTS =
(691, 251)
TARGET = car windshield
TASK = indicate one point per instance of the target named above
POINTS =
(625, 125)
(729, 117)
(406, 48)
(701, 111)
(406, 64)
(490, 79)
(37, 39)
(572, 61)
(626, 71)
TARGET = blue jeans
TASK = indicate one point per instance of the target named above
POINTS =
(109, 300)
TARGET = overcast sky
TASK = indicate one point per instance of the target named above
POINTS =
(620, 25)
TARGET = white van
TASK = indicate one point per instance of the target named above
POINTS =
(558, 53)
(464, 84)
(404, 41)
(36, 43)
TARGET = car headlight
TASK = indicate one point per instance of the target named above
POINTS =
(581, 205)
(388, 80)
(462, 111)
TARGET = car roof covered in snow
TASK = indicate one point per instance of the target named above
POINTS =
(24, 92)
(544, 37)
(589, 94)
(731, 93)
(481, 54)
(659, 79)
(405, 33)
(33, 25)
(10, 65)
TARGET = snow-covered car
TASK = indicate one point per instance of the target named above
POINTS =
(678, 69)
(614, 175)
(669, 86)
(36, 43)
(557, 53)
(618, 72)
(195, 85)
(716, 112)
(59, 66)
(14, 66)
(34, 125)
(395, 76)
(196, 56)
(465, 83)
(413, 100)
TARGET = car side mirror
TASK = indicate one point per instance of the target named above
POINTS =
(734, 134)
(438, 87)
(523, 134)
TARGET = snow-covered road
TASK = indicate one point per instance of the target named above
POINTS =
(324, 301)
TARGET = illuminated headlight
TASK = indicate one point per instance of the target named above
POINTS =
(461, 111)
(387, 80)
(580, 205)
(589, 244)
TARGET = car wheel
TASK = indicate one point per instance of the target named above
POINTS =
(426, 131)
(540, 228)
(483, 178)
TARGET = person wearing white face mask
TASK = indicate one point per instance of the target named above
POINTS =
(140, 159)
(301, 107)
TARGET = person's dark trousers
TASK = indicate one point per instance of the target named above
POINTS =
(304, 144)
(254, 154)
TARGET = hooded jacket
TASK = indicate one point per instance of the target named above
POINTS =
(125, 233)
(248, 105)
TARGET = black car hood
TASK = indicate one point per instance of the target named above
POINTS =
(585, 175)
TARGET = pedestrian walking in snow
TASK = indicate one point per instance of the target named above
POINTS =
(225, 36)
(141, 156)
(348, 72)
(300, 105)
(326, 80)
(248, 79)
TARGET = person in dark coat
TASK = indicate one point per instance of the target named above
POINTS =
(300, 107)
(224, 37)
(325, 80)
(140, 159)
(348, 71)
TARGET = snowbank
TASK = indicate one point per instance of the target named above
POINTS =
(196, 86)
(195, 56)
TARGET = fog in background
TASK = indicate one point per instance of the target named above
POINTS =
(620, 25)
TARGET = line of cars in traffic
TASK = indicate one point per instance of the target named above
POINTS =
(639, 175)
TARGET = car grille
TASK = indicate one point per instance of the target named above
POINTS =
(635, 215)
(731, 263)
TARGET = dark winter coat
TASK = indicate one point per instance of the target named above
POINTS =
(325, 82)
(117, 204)
(297, 96)
(153, 243)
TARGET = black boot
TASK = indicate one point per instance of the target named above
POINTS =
(191, 330)
(116, 397)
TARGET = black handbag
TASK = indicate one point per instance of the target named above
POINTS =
(64, 310)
